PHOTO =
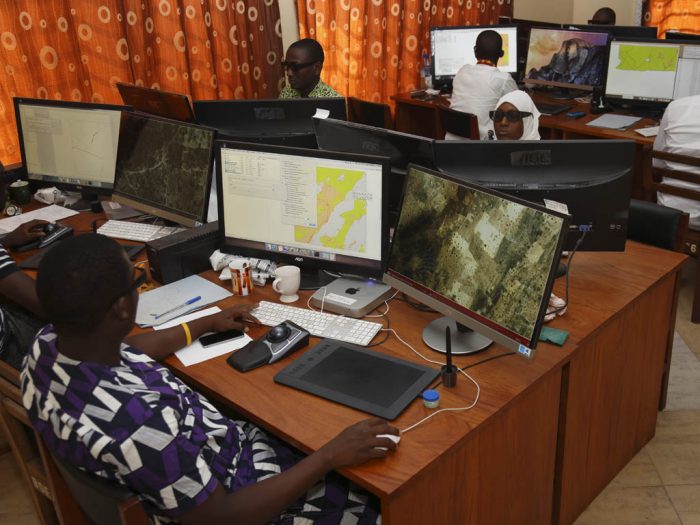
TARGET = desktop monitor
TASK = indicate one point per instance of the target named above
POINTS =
(319, 210)
(524, 27)
(617, 31)
(483, 259)
(155, 102)
(593, 178)
(566, 59)
(70, 145)
(677, 35)
(275, 121)
(164, 168)
(651, 72)
(452, 47)
(401, 148)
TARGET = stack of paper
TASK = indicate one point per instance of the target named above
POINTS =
(611, 121)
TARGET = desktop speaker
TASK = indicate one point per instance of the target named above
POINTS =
(180, 255)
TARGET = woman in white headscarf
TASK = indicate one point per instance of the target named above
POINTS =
(516, 117)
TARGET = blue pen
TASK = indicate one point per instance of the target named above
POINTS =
(186, 303)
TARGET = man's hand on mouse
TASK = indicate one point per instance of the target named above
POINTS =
(359, 443)
(25, 233)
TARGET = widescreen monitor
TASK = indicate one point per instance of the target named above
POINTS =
(164, 168)
(524, 27)
(617, 31)
(319, 210)
(70, 145)
(652, 72)
(453, 46)
(677, 35)
(401, 148)
(156, 102)
(274, 121)
(566, 59)
(483, 259)
(593, 178)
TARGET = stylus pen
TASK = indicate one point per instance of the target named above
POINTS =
(448, 349)
(174, 308)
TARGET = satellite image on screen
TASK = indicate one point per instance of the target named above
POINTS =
(164, 163)
(486, 253)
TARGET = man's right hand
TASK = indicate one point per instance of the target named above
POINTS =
(25, 233)
(359, 443)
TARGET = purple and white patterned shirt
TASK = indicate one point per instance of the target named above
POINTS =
(135, 424)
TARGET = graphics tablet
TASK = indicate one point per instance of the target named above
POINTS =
(369, 381)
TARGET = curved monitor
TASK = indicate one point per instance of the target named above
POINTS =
(593, 178)
(565, 58)
(481, 258)
(273, 121)
(319, 210)
(164, 168)
(453, 46)
(156, 102)
(652, 72)
(70, 145)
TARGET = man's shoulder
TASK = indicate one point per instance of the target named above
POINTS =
(323, 90)
(289, 92)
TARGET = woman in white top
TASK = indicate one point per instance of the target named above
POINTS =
(516, 117)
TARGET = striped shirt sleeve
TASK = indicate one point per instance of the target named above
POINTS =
(7, 264)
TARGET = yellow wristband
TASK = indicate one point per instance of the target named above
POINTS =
(188, 334)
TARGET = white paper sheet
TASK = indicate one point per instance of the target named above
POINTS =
(611, 121)
(51, 213)
(651, 131)
(189, 317)
(321, 113)
(196, 353)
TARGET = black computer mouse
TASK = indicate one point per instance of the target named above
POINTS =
(49, 227)
(278, 333)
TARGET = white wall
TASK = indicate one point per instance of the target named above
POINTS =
(290, 26)
(624, 9)
(575, 11)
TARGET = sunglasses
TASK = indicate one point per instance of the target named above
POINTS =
(140, 277)
(511, 116)
(296, 66)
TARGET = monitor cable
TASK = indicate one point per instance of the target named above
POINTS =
(568, 270)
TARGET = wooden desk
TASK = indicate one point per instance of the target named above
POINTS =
(419, 117)
(546, 436)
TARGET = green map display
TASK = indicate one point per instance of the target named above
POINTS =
(648, 58)
(341, 211)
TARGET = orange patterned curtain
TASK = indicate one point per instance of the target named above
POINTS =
(374, 49)
(78, 50)
(681, 15)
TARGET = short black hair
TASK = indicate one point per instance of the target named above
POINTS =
(312, 48)
(604, 16)
(489, 45)
(79, 279)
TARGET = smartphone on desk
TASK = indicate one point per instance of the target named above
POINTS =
(214, 339)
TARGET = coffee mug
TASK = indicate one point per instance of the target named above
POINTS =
(240, 277)
(287, 280)
(20, 192)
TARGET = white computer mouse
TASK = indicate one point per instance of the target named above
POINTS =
(392, 437)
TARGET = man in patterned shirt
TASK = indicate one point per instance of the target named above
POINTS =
(303, 65)
(110, 409)
(20, 319)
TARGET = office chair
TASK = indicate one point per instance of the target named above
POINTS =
(369, 113)
(83, 498)
(658, 225)
(653, 182)
(456, 122)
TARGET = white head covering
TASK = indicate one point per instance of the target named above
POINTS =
(523, 102)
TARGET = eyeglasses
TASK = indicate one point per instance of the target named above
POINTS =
(296, 66)
(140, 277)
(512, 116)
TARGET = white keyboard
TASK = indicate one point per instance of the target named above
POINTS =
(319, 324)
(136, 231)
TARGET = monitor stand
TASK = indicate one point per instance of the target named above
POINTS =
(86, 202)
(464, 339)
(314, 279)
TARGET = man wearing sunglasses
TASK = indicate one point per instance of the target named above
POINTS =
(108, 408)
(477, 87)
(303, 65)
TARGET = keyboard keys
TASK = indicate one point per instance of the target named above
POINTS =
(136, 231)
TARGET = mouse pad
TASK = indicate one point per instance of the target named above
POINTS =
(351, 375)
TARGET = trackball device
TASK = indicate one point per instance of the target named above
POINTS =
(279, 341)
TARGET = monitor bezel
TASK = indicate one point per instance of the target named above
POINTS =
(565, 85)
(460, 314)
(151, 208)
(68, 186)
(680, 35)
(638, 102)
(126, 89)
(229, 245)
(447, 79)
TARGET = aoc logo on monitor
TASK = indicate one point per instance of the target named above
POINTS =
(538, 157)
(299, 259)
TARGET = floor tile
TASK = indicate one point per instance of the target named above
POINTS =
(686, 501)
(639, 472)
(684, 379)
(630, 506)
(16, 506)
(675, 450)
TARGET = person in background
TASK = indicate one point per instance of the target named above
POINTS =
(303, 65)
(477, 87)
(516, 117)
(604, 16)
(679, 132)
(108, 408)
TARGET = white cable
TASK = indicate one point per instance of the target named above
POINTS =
(457, 409)
(323, 299)
(386, 303)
